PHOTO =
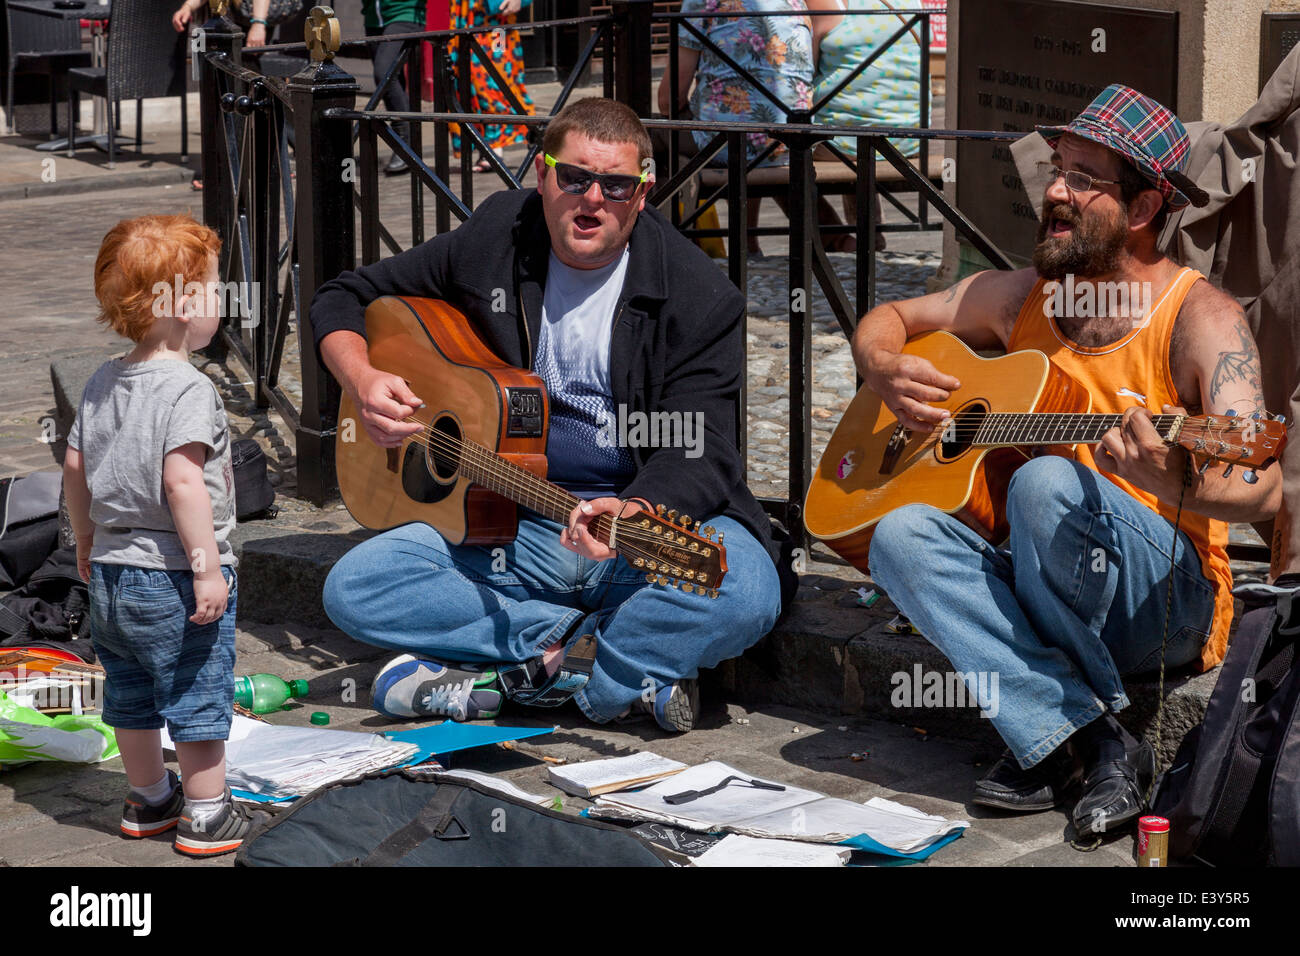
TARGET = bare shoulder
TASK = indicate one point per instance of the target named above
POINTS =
(1209, 321)
(999, 294)
(1208, 309)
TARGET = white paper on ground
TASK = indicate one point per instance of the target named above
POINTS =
(736, 850)
(831, 820)
(277, 761)
(577, 778)
(502, 786)
(899, 823)
(789, 814)
(731, 805)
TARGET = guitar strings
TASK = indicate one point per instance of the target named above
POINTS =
(602, 523)
(1035, 421)
(525, 482)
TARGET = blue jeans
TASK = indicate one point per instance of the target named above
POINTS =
(409, 590)
(1077, 603)
(158, 666)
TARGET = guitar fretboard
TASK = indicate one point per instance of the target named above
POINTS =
(1047, 428)
(485, 467)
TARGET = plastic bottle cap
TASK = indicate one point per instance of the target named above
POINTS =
(320, 717)
(297, 688)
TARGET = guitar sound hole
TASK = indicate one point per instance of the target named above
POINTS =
(429, 466)
(444, 449)
(958, 433)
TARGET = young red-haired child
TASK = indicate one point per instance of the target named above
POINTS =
(150, 490)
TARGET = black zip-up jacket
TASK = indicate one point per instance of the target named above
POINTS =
(677, 342)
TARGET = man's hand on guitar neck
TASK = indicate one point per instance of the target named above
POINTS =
(577, 536)
(1135, 452)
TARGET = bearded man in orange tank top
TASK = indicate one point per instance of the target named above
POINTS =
(1075, 600)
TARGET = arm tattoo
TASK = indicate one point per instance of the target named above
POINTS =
(1238, 365)
(952, 293)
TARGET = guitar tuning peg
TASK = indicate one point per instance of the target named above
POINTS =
(713, 594)
(721, 535)
(686, 521)
(659, 510)
(1254, 416)
(688, 587)
(650, 579)
(1231, 413)
(662, 579)
(708, 530)
(672, 515)
(1227, 471)
(1204, 467)
(1249, 476)
(1280, 419)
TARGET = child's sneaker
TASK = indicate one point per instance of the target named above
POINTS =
(140, 819)
(220, 833)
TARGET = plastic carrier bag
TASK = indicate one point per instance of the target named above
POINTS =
(27, 734)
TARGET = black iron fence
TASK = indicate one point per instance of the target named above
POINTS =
(284, 238)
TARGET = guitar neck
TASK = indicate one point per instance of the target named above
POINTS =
(485, 467)
(1050, 428)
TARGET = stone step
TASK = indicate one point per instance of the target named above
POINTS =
(829, 654)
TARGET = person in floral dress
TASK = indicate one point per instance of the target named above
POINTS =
(485, 96)
(776, 51)
(780, 53)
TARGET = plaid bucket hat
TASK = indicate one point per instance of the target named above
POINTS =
(1143, 131)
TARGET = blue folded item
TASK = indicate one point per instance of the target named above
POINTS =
(449, 736)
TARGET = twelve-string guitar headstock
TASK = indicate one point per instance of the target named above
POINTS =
(672, 553)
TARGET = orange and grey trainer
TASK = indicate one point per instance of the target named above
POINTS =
(140, 819)
(221, 832)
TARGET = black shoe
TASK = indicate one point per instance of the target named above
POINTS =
(1007, 787)
(1114, 787)
(396, 166)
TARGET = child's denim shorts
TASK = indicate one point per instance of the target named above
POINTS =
(160, 668)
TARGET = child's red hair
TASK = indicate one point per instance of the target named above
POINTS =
(137, 255)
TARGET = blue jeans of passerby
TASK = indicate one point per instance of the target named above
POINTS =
(409, 590)
(1074, 605)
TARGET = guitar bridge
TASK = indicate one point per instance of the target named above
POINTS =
(897, 442)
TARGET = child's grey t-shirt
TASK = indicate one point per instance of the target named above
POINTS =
(132, 414)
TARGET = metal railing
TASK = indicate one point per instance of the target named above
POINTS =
(245, 118)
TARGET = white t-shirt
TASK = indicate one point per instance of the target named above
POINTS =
(578, 311)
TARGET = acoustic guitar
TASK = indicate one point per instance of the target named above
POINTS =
(873, 465)
(482, 451)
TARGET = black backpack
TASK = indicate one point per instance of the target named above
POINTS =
(413, 818)
(1232, 794)
(29, 524)
(51, 610)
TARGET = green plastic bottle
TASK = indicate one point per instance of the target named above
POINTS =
(264, 693)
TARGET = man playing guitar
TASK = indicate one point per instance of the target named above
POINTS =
(614, 310)
(1077, 600)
